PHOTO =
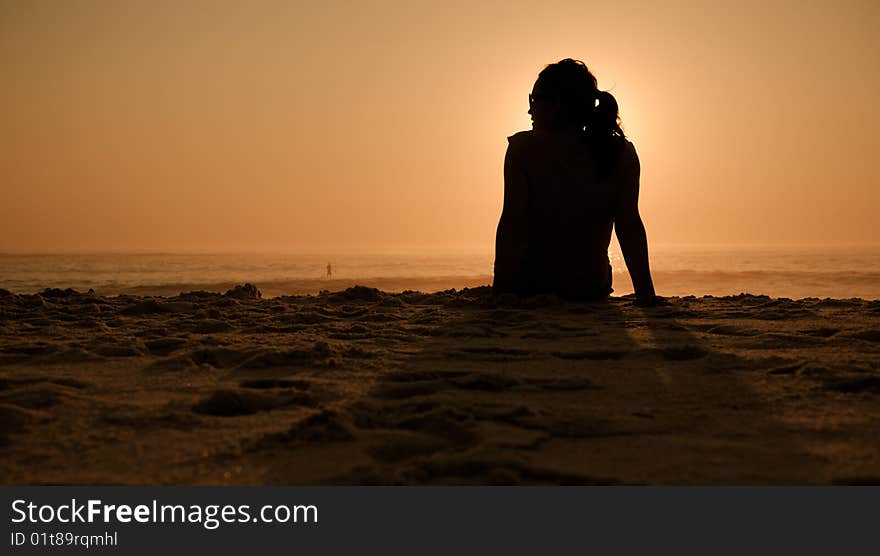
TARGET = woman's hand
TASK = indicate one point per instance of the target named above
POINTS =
(650, 301)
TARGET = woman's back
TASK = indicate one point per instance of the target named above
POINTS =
(564, 201)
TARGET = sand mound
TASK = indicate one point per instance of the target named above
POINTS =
(247, 291)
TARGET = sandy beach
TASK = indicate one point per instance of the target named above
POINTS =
(365, 387)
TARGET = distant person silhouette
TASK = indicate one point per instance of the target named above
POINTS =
(329, 270)
(567, 184)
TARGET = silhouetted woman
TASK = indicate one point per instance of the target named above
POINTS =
(567, 183)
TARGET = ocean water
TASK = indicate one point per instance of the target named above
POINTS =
(794, 272)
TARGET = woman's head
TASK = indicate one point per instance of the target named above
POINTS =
(566, 96)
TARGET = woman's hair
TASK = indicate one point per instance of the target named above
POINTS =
(580, 99)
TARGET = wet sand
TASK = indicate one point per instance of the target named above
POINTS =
(365, 387)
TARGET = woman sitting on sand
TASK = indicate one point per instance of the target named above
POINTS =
(567, 183)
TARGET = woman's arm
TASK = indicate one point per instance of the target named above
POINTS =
(630, 229)
(511, 238)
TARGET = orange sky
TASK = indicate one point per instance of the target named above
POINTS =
(264, 125)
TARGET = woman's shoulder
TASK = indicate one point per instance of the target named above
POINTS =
(628, 153)
(520, 138)
(537, 141)
(520, 146)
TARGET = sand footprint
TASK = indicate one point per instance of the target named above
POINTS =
(232, 403)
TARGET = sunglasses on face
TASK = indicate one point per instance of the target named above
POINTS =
(535, 98)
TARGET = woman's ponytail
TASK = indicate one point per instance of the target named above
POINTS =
(604, 132)
(605, 121)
